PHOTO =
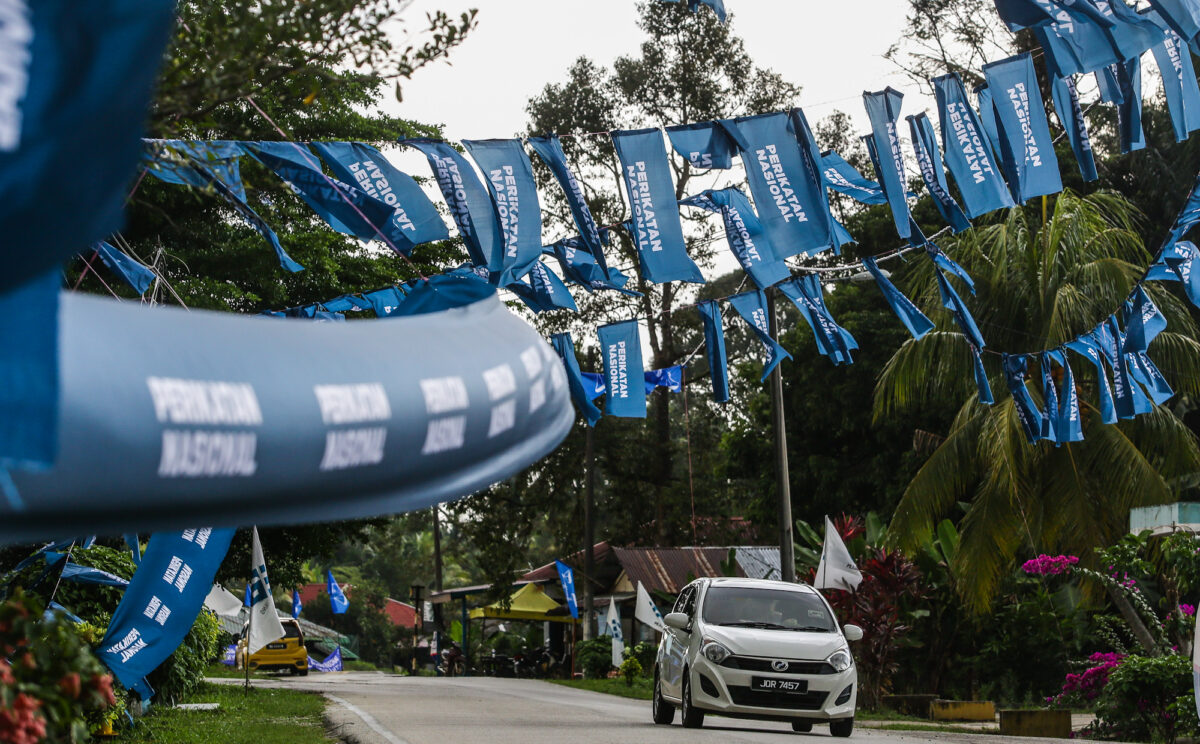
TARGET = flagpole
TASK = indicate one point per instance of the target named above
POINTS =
(787, 555)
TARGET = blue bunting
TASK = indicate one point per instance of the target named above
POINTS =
(968, 154)
(1015, 367)
(991, 125)
(1019, 14)
(752, 306)
(669, 378)
(581, 267)
(1143, 321)
(844, 179)
(545, 291)
(1026, 145)
(832, 340)
(962, 316)
(1068, 427)
(1130, 399)
(468, 200)
(1049, 398)
(982, 386)
(908, 313)
(550, 150)
(1182, 16)
(1070, 113)
(29, 380)
(384, 301)
(509, 178)
(704, 145)
(1088, 347)
(657, 232)
(1174, 61)
(179, 162)
(624, 375)
(565, 348)
(930, 161)
(1179, 261)
(714, 348)
(745, 234)
(593, 384)
(718, 6)
(1129, 111)
(939, 257)
(135, 274)
(346, 302)
(1109, 86)
(883, 109)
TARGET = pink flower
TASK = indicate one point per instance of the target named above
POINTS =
(1187, 609)
(1046, 565)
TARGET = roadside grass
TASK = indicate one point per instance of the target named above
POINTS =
(256, 716)
(228, 672)
(944, 728)
(642, 688)
(885, 714)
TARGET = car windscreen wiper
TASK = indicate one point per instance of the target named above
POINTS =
(810, 629)
(751, 624)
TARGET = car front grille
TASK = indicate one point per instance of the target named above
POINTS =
(811, 700)
(752, 664)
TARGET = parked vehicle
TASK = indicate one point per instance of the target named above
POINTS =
(454, 661)
(497, 665)
(752, 648)
(288, 654)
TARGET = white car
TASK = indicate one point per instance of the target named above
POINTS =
(752, 648)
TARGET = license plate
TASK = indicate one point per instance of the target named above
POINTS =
(770, 684)
(276, 646)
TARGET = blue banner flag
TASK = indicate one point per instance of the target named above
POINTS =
(714, 348)
(1182, 16)
(180, 162)
(982, 386)
(509, 177)
(1016, 367)
(1143, 321)
(657, 232)
(1179, 262)
(1019, 14)
(567, 577)
(1087, 347)
(704, 145)
(580, 266)
(883, 109)
(414, 219)
(1070, 114)
(297, 605)
(549, 149)
(670, 378)
(29, 379)
(472, 209)
(991, 126)
(832, 340)
(593, 383)
(135, 274)
(939, 257)
(78, 81)
(1068, 427)
(908, 313)
(752, 306)
(1025, 143)
(580, 391)
(1174, 61)
(786, 184)
(962, 316)
(162, 601)
(745, 234)
(1145, 372)
(247, 597)
(621, 350)
(1129, 397)
(332, 663)
(1129, 111)
(929, 159)
(1049, 399)
(968, 155)
(384, 301)
(337, 599)
(845, 179)
(545, 291)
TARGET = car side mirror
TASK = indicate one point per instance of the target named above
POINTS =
(852, 632)
(677, 620)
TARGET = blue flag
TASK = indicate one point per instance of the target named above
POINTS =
(929, 158)
(567, 577)
(1182, 16)
(657, 232)
(991, 125)
(786, 184)
(180, 162)
(414, 220)
(332, 663)
(706, 145)
(621, 349)
(545, 291)
(832, 340)
(939, 257)
(752, 306)
(549, 149)
(962, 316)
(580, 392)
(509, 177)
(346, 302)
(968, 154)
(1129, 398)
(844, 179)
(337, 599)
(982, 386)
(1019, 14)
(1174, 61)
(714, 348)
(883, 109)
(1143, 321)
(1143, 370)
(472, 209)
(1180, 261)
(593, 383)
(1049, 398)
(161, 602)
(1068, 427)
(670, 378)
(1070, 113)
(1129, 110)
(1016, 367)
(135, 274)
(745, 235)
(1088, 348)
(908, 313)
(1025, 143)
(297, 605)
(384, 301)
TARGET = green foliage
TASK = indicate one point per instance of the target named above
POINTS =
(183, 671)
(645, 653)
(1143, 700)
(259, 715)
(365, 620)
(51, 684)
(594, 657)
(630, 670)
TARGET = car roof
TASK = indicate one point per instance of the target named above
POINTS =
(760, 584)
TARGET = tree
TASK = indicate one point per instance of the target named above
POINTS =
(1039, 285)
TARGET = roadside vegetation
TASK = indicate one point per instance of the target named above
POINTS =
(264, 716)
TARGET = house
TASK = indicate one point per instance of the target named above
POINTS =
(401, 614)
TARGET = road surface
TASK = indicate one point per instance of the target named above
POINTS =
(373, 708)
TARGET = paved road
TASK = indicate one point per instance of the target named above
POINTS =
(382, 709)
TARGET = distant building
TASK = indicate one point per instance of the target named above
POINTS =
(400, 613)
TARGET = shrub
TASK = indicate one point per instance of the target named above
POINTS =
(1142, 700)
(645, 653)
(51, 687)
(183, 671)
(631, 669)
(1079, 690)
(595, 657)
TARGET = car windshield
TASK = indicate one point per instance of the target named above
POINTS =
(291, 631)
(771, 609)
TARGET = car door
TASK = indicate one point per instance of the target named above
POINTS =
(675, 646)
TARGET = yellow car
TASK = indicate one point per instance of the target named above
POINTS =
(287, 654)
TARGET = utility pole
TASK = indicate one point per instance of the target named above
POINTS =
(437, 585)
(589, 531)
(787, 555)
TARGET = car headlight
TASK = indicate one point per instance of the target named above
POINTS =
(715, 652)
(840, 660)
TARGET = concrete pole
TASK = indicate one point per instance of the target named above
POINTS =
(787, 556)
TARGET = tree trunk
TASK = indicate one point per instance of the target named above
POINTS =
(1140, 631)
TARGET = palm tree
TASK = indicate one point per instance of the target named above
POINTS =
(1039, 285)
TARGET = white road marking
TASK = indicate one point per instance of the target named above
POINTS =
(368, 719)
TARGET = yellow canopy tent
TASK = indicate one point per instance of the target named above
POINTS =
(527, 603)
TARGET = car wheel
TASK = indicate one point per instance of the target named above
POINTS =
(802, 726)
(663, 711)
(689, 716)
(842, 727)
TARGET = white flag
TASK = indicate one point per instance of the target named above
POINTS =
(614, 629)
(264, 620)
(221, 601)
(837, 569)
(646, 612)
(1196, 662)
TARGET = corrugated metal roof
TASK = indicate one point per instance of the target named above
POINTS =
(670, 569)
(758, 562)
